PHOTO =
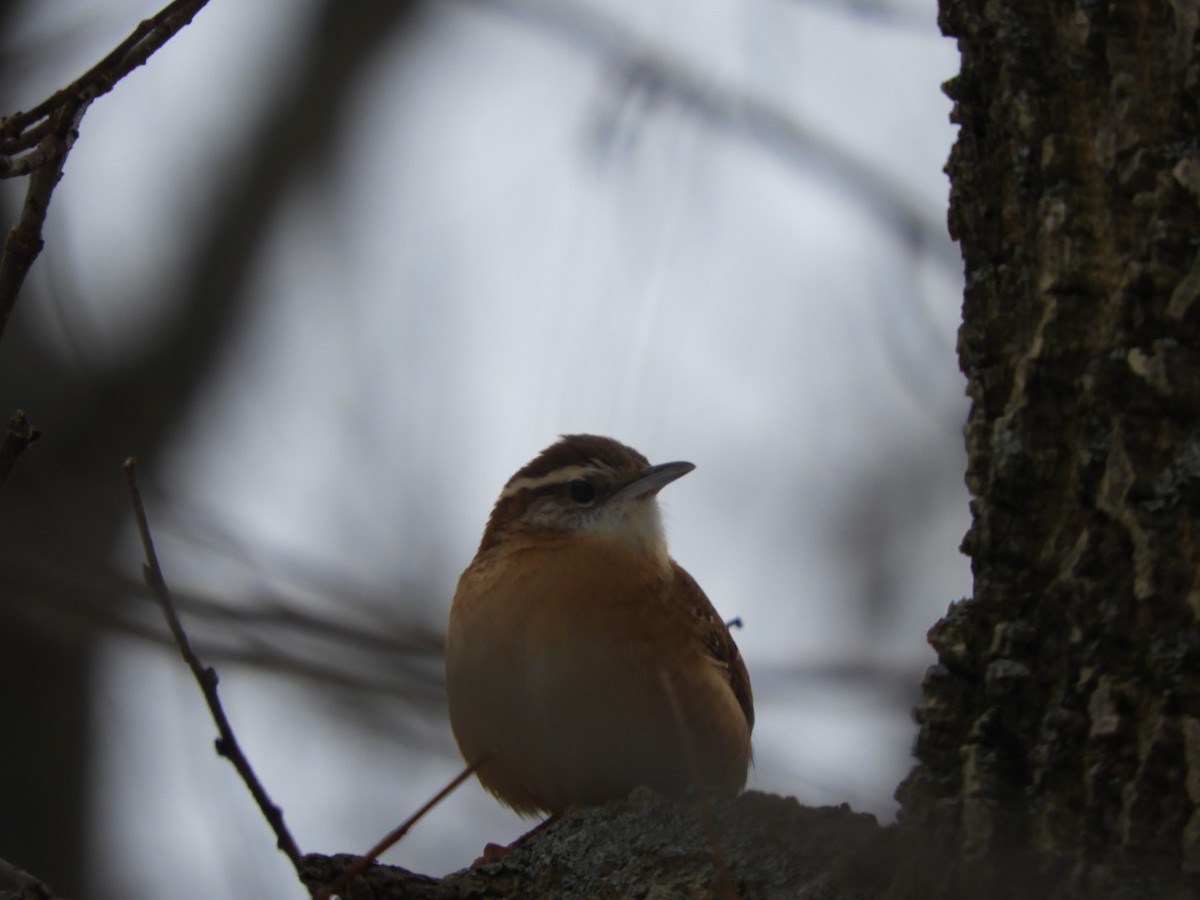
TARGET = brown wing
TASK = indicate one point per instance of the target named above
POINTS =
(718, 642)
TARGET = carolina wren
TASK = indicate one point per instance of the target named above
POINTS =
(579, 653)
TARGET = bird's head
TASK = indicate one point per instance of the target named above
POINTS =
(585, 485)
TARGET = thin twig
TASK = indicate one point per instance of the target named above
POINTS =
(14, 142)
(137, 47)
(24, 241)
(19, 436)
(227, 743)
(48, 131)
(365, 861)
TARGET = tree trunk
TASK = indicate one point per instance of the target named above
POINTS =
(1059, 753)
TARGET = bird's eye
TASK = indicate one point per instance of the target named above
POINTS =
(581, 492)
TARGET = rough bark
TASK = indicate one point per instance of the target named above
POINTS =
(1059, 752)
(650, 846)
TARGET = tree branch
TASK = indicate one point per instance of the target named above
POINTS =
(44, 136)
(227, 743)
(393, 837)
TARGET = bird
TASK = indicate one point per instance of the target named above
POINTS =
(581, 660)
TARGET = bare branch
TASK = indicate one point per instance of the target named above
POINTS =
(227, 743)
(48, 131)
(101, 78)
(24, 241)
(393, 837)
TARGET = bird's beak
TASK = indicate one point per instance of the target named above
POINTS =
(652, 480)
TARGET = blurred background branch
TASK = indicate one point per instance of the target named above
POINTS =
(648, 77)
(17, 438)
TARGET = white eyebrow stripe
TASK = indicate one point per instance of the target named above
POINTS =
(558, 476)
